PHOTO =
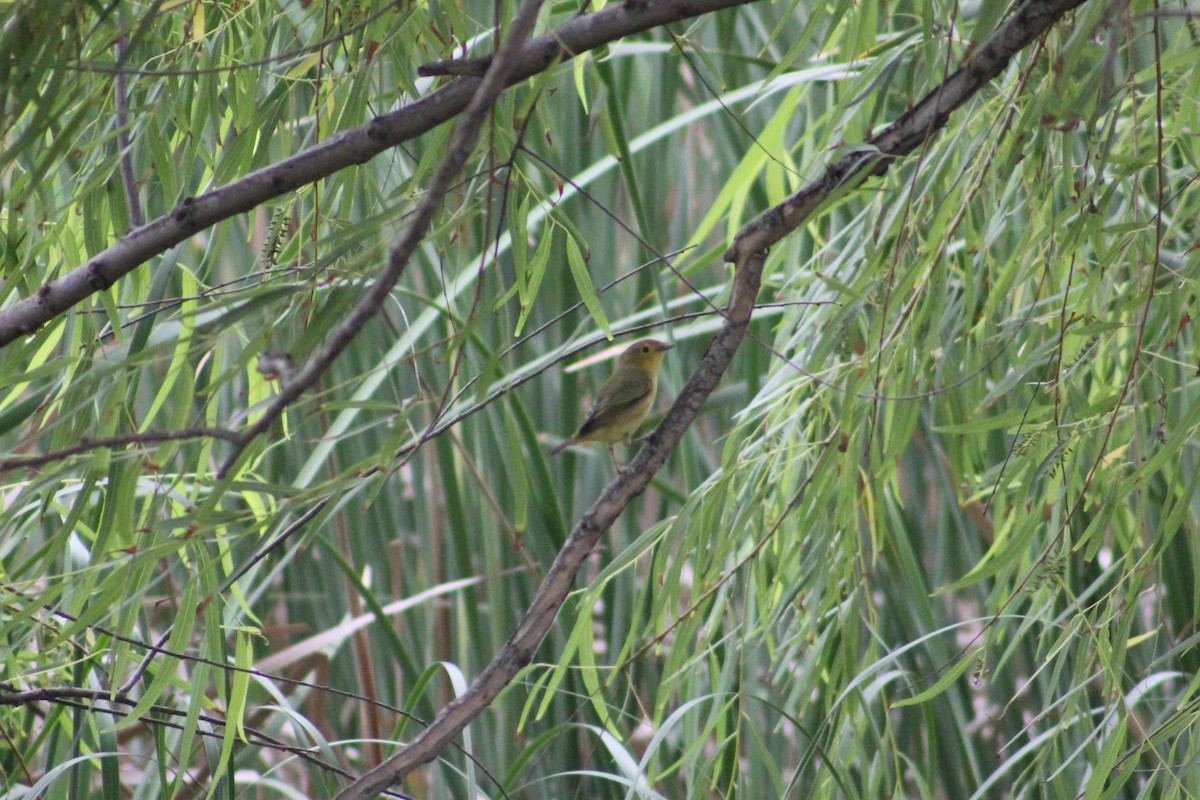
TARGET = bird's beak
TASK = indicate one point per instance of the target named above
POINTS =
(662, 348)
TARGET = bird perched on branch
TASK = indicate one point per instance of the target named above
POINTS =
(624, 399)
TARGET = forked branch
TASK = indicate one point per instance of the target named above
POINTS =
(748, 254)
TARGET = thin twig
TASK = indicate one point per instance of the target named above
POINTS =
(462, 144)
(86, 445)
(104, 701)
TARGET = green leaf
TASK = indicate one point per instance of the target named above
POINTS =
(587, 292)
(946, 679)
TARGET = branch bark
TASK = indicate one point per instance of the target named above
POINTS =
(748, 254)
(354, 146)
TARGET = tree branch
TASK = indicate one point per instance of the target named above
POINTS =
(910, 131)
(748, 255)
(106, 702)
(87, 444)
(462, 143)
(355, 146)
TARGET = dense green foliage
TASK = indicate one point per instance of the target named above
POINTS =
(935, 536)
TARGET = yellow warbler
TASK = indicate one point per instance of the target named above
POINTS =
(625, 398)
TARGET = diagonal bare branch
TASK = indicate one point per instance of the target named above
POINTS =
(748, 255)
(910, 131)
(355, 146)
(462, 143)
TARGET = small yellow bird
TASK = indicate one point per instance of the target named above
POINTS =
(624, 399)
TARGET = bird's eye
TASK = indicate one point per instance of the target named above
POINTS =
(645, 348)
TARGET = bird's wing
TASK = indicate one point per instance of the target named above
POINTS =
(605, 413)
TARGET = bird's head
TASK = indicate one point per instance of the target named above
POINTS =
(646, 354)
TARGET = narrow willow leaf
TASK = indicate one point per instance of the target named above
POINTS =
(948, 677)
(587, 292)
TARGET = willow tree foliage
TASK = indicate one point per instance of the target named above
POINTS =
(278, 378)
